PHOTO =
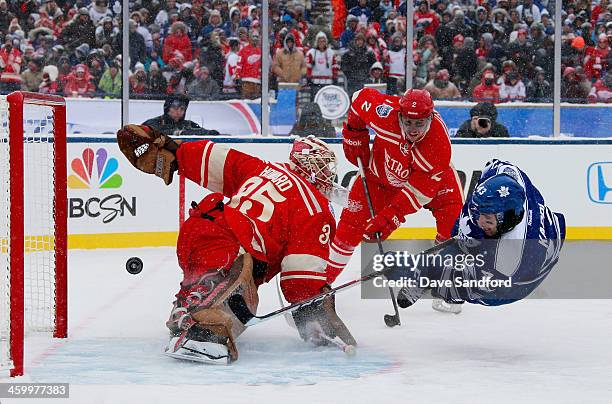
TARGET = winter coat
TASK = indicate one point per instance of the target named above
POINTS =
(110, 85)
(289, 65)
(79, 86)
(175, 42)
(449, 92)
(30, 81)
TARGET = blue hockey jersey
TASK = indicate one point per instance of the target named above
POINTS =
(522, 257)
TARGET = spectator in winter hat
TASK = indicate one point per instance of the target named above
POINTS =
(99, 10)
(602, 90)
(289, 64)
(78, 83)
(49, 84)
(376, 74)
(110, 83)
(32, 77)
(177, 42)
(487, 90)
(482, 123)
(441, 88)
(349, 34)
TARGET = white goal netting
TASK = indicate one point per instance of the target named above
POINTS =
(38, 220)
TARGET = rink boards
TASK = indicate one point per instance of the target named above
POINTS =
(111, 204)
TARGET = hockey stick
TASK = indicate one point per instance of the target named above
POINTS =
(240, 309)
(391, 320)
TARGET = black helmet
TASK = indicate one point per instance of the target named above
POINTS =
(176, 100)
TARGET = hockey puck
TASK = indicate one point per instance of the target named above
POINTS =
(134, 265)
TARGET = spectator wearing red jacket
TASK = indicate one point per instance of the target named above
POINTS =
(79, 83)
(486, 90)
(177, 41)
(249, 68)
(425, 19)
(602, 90)
(10, 64)
(596, 58)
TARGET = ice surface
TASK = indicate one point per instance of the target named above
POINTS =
(555, 351)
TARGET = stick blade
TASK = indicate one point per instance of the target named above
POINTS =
(238, 306)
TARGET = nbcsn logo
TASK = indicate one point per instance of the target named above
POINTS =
(599, 182)
(83, 175)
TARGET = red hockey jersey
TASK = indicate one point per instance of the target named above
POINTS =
(276, 215)
(416, 169)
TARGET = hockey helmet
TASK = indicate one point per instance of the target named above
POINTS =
(415, 114)
(315, 161)
(502, 196)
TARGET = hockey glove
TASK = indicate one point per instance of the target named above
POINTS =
(149, 150)
(356, 144)
(384, 223)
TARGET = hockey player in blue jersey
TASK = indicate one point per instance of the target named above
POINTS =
(507, 242)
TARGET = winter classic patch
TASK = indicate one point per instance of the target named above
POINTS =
(383, 110)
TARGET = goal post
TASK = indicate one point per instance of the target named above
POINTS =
(33, 222)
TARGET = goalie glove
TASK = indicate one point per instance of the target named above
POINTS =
(323, 314)
(149, 150)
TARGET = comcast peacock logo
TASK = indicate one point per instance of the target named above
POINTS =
(94, 170)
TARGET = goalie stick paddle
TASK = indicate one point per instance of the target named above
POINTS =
(240, 309)
(391, 320)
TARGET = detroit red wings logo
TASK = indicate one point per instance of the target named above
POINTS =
(397, 173)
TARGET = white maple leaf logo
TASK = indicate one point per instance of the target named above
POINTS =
(503, 191)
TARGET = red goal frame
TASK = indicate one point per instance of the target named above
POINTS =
(16, 102)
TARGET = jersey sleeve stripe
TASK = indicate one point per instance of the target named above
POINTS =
(303, 262)
(204, 165)
(414, 204)
(341, 250)
(386, 132)
(418, 163)
(420, 197)
(383, 137)
(216, 160)
(314, 277)
(423, 160)
(439, 119)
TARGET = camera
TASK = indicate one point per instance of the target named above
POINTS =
(484, 122)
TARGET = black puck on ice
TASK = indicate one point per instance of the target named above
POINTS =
(134, 265)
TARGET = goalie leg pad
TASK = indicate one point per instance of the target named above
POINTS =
(206, 307)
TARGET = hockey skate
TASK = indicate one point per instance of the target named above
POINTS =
(199, 345)
(445, 307)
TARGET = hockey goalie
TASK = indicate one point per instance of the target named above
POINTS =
(261, 219)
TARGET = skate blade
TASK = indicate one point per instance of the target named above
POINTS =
(444, 307)
(198, 358)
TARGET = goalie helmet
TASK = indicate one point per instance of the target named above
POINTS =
(415, 114)
(502, 196)
(315, 161)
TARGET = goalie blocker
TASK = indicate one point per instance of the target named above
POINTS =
(227, 249)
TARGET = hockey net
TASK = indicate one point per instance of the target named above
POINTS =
(33, 223)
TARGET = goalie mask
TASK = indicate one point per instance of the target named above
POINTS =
(316, 162)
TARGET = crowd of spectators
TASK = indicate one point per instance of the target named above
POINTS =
(481, 50)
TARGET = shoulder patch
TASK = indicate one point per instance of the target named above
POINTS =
(383, 110)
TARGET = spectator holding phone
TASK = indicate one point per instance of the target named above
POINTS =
(483, 123)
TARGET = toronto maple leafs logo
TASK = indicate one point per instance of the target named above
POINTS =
(503, 191)
(383, 110)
